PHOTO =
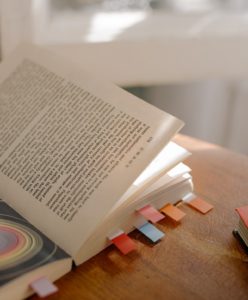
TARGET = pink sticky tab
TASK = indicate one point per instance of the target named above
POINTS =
(243, 213)
(124, 243)
(151, 214)
(43, 287)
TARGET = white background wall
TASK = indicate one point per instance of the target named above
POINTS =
(215, 111)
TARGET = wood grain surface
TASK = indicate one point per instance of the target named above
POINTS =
(197, 259)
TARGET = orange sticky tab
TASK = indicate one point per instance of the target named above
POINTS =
(200, 205)
(124, 243)
(243, 213)
(151, 214)
(173, 212)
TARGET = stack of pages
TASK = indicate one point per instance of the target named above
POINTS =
(82, 164)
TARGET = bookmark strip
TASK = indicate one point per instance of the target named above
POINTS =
(43, 287)
(124, 243)
(200, 205)
(197, 203)
(150, 213)
(151, 232)
(173, 212)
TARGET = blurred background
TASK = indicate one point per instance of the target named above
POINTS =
(188, 57)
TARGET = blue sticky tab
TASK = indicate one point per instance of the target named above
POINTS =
(151, 232)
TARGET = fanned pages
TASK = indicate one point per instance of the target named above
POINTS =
(170, 156)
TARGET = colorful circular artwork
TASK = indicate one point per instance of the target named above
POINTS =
(22, 247)
(17, 243)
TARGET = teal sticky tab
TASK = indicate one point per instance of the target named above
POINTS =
(151, 232)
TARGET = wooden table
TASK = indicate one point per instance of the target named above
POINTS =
(198, 259)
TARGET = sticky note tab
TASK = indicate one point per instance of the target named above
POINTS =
(200, 205)
(150, 213)
(173, 212)
(43, 287)
(124, 243)
(243, 213)
(151, 232)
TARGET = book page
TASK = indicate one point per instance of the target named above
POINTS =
(71, 145)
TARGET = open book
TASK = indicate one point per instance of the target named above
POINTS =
(78, 157)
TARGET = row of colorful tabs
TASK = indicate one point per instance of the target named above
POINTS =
(147, 216)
